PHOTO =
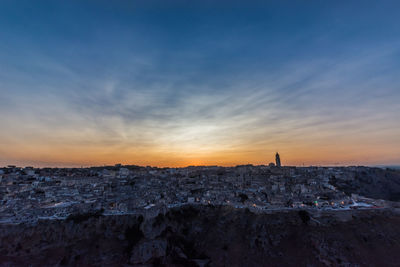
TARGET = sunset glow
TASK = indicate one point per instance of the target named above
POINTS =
(85, 85)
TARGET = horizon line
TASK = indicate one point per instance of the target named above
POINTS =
(187, 166)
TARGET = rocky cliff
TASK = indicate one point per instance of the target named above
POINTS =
(207, 236)
(374, 183)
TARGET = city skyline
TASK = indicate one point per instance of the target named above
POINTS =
(178, 83)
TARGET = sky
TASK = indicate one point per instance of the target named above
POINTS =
(178, 83)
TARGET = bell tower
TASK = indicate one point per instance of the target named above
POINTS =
(277, 159)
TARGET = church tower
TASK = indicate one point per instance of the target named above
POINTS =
(277, 159)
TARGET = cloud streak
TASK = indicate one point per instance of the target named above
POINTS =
(221, 100)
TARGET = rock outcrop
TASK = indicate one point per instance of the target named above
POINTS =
(374, 183)
(208, 236)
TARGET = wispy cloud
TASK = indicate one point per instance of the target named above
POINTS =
(205, 100)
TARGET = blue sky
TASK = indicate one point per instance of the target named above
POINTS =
(173, 83)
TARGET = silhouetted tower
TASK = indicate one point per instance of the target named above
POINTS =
(277, 160)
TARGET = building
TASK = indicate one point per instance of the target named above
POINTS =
(277, 160)
(123, 172)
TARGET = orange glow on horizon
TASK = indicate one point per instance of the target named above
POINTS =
(291, 156)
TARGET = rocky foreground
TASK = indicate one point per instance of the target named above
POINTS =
(207, 236)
